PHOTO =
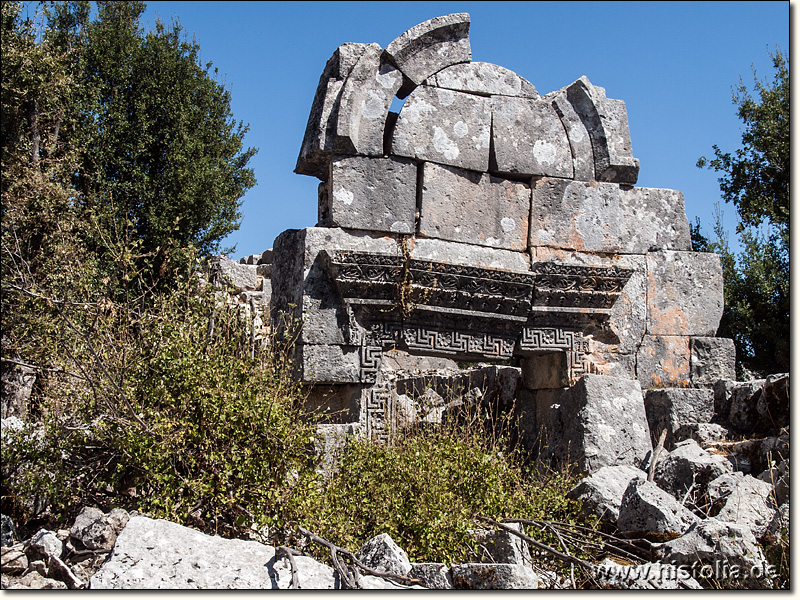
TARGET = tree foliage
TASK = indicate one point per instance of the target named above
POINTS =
(755, 179)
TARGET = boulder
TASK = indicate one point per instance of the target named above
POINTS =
(43, 545)
(773, 404)
(382, 554)
(646, 509)
(96, 530)
(494, 576)
(598, 422)
(750, 503)
(500, 546)
(711, 542)
(431, 46)
(434, 576)
(672, 408)
(601, 493)
(689, 466)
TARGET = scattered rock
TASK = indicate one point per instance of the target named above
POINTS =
(13, 560)
(434, 576)
(96, 530)
(601, 493)
(57, 569)
(34, 581)
(494, 576)
(8, 533)
(43, 545)
(501, 546)
(702, 433)
(647, 510)
(648, 576)
(673, 408)
(381, 553)
(689, 466)
(773, 404)
(750, 503)
(778, 527)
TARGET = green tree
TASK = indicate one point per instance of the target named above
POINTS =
(756, 181)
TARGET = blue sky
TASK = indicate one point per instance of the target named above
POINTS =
(673, 63)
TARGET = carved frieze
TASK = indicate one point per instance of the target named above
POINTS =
(379, 413)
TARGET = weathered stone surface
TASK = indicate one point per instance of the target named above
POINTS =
(318, 142)
(57, 569)
(382, 554)
(446, 127)
(702, 433)
(712, 540)
(598, 422)
(663, 361)
(671, 408)
(432, 46)
(501, 546)
(648, 576)
(603, 217)
(13, 560)
(8, 533)
(376, 194)
(157, 554)
(601, 493)
(330, 364)
(528, 139)
(773, 404)
(684, 294)
(43, 545)
(34, 581)
(579, 141)
(484, 79)
(647, 509)
(729, 393)
(687, 467)
(720, 489)
(434, 576)
(778, 528)
(366, 96)
(547, 370)
(606, 120)
(234, 274)
(777, 475)
(96, 530)
(474, 208)
(711, 359)
(750, 503)
(494, 576)
(16, 383)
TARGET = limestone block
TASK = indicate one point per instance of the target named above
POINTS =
(647, 509)
(545, 370)
(500, 546)
(484, 79)
(606, 120)
(773, 404)
(671, 408)
(712, 540)
(43, 545)
(750, 503)
(702, 433)
(474, 208)
(13, 560)
(97, 530)
(604, 217)
(381, 553)
(663, 361)
(376, 194)
(234, 274)
(446, 127)
(432, 46)
(601, 493)
(734, 402)
(318, 140)
(628, 319)
(8, 532)
(647, 576)
(364, 104)
(434, 576)
(470, 255)
(684, 293)
(689, 466)
(711, 359)
(579, 141)
(330, 364)
(494, 576)
(600, 421)
(528, 139)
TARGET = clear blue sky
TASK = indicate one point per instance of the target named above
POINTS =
(673, 63)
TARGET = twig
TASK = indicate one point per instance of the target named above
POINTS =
(566, 550)
(35, 368)
(290, 554)
(651, 472)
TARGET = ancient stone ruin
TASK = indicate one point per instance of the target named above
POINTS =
(486, 223)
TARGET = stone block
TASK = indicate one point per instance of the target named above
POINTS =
(330, 364)
(773, 404)
(598, 422)
(432, 46)
(545, 370)
(601, 493)
(484, 79)
(579, 141)
(43, 545)
(375, 194)
(671, 408)
(234, 274)
(318, 142)
(647, 509)
(726, 391)
(499, 546)
(702, 433)
(528, 139)
(605, 217)
(364, 103)
(743, 414)
(446, 127)
(606, 120)
(689, 466)
(628, 319)
(663, 361)
(474, 208)
(381, 553)
(96, 530)
(434, 576)
(751, 503)
(684, 293)
(711, 359)
(494, 576)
